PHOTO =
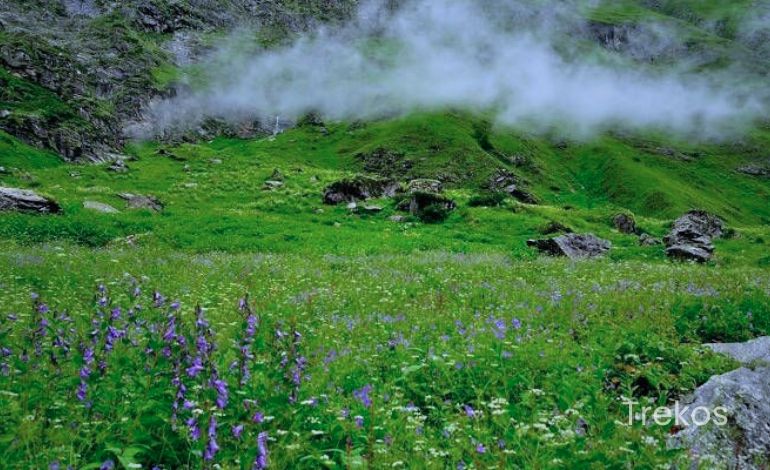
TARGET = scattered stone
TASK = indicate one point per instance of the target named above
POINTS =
(554, 227)
(4, 113)
(139, 201)
(372, 209)
(691, 235)
(625, 223)
(505, 181)
(424, 186)
(573, 246)
(191, 185)
(352, 206)
(755, 170)
(646, 239)
(271, 184)
(100, 207)
(3, 171)
(397, 219)
(748, 353)
(743, 441)
(23, 200)
(359, 188)
(215, 161)
(276, 176)
(118, 166)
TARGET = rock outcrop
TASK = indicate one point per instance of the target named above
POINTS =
(23, 200)
(573, 246)
(359, 188)
(691, 236)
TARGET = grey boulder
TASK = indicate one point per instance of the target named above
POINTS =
(743, 441)
(750, 352)
(23, 200)
(625, 223)
(573, 246)
(140, 201)
(691, 236)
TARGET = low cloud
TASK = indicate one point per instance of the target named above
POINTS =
(535, 68)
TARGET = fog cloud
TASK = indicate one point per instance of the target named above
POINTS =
(531, 67)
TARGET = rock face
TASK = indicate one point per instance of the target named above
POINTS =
(139, 201)
(744, 441)
(691, 236)
(359, 188)
(573, 246)
(86, 56)
(22, 200)
(625, 223)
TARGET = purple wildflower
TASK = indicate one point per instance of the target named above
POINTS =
(362, 395)
(261, 461)
(237, 431)
(196, 367)
(221, 388)
(195, 430)
(211, 447)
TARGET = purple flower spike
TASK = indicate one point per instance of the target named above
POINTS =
(261, 462)
(237, 431)
(362, 395)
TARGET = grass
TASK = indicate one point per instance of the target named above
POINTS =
(531, 346)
